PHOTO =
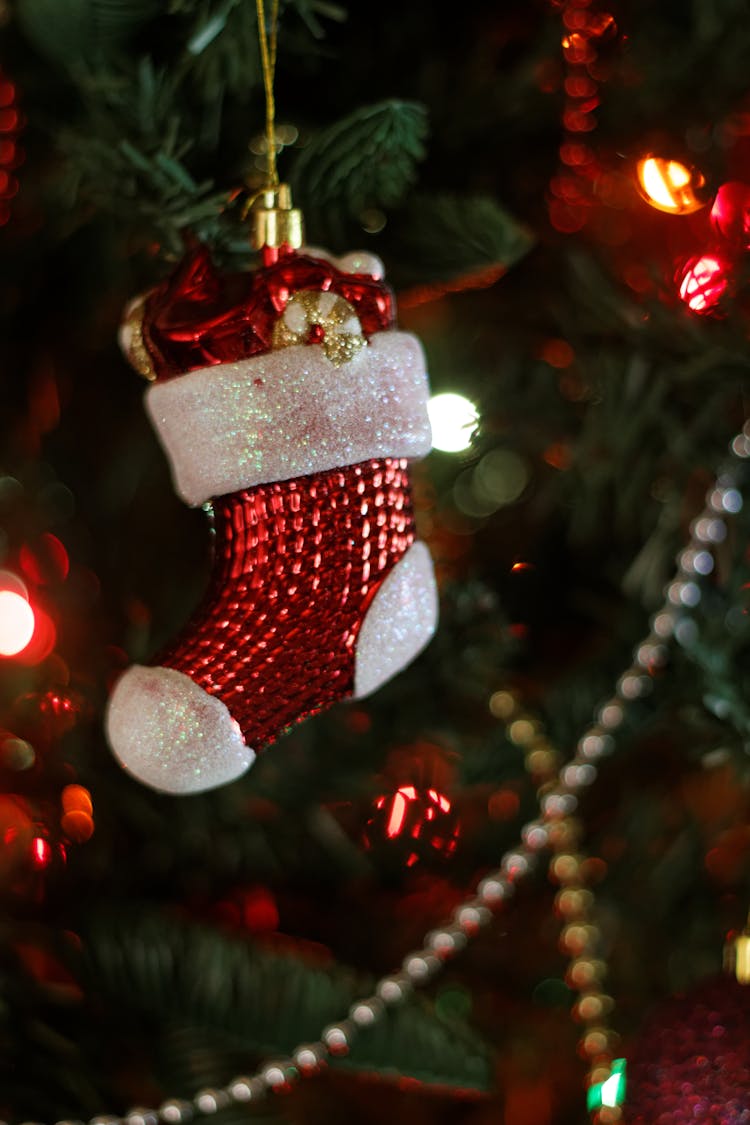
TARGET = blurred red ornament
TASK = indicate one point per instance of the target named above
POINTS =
(703, 282)
(252, 909)
(671, 186)
(258, 909)
(45, 561)
(28, 854)
(602, 26)
(420, 824)
(692, 1061)
(23, 847)
(16, 827)
(11, 124)
(44, 717)
(730, 214)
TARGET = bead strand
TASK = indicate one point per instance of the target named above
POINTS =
(575, 903)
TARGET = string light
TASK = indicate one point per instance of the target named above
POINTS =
(11, 156)
(572, 187)
(16, 623)
(671, 186)
(611, 1092)
(703, 282)
(453, 419)
(730, 214)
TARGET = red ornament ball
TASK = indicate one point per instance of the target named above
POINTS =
(692, 1062)
(703, 281)
(414, 824)
(730, 214)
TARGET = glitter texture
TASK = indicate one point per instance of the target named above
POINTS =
(399, 623)
(692, 1061)
(298, 567)
(290, 413)
(167, 732)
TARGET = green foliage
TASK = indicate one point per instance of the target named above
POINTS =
(223, 43)
(441, 237)
(264, 1002)
(151, 123)
(368, 159)
(131, 159)
(84, 32)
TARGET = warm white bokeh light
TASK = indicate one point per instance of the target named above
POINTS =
(661, 179)
(453, 419)
(16, 623)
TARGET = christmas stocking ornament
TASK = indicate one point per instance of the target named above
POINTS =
(289, 405)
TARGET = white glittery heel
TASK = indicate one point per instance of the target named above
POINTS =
(399, 623)
(171, 734)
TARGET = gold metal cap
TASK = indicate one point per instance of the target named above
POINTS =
(275, 222)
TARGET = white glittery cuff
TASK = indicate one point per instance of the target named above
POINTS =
(290, 413)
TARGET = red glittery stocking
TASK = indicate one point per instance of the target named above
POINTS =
(318, 591)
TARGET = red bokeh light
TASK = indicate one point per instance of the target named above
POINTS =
(730, 214)
(42, 641)
(703, 282)
(45, 561)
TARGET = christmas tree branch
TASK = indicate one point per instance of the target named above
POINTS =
(267, 1002)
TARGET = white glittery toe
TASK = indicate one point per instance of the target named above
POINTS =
(399, 623)
(171, 734)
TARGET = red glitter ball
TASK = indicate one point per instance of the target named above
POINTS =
(730, 214)
(692, 1062)
(418, 823)
(703, 282)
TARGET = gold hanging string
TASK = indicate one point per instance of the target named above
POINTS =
(276, 225)
(267, 39)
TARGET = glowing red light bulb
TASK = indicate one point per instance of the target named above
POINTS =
(16, 623)
(41, 852)
(730, 214)
(703, 281)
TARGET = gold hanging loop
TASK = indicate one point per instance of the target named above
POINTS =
(276, 223)
(268, 41)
